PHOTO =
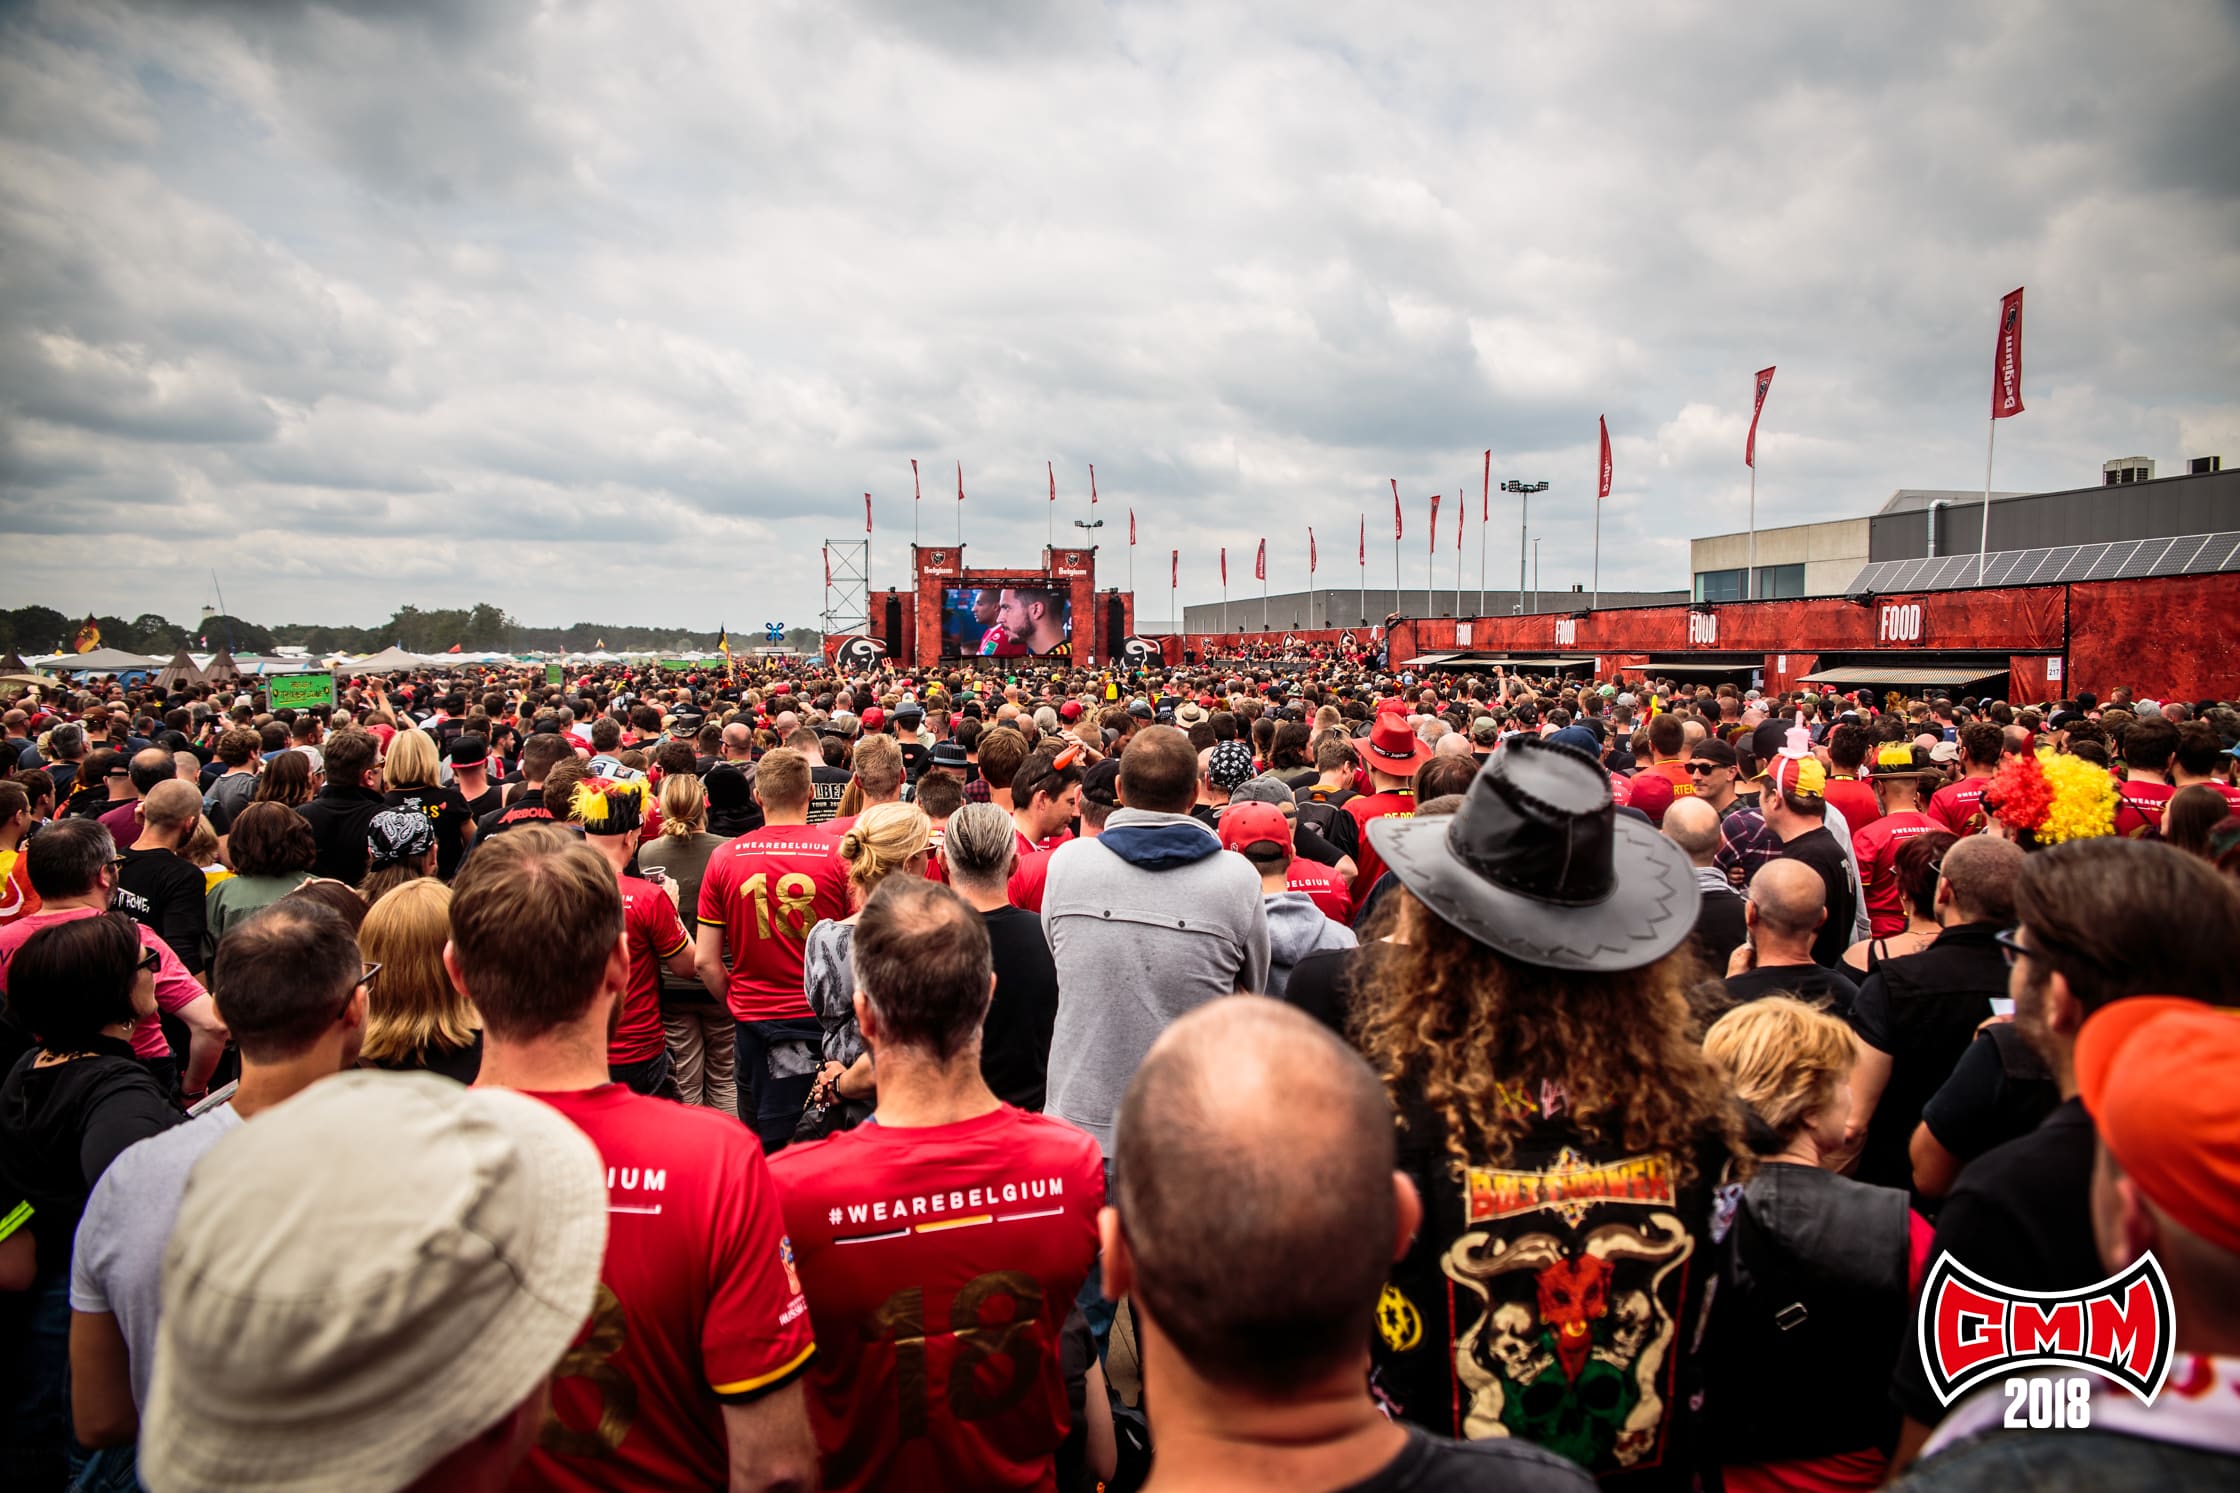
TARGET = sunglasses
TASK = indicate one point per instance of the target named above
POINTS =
(151, 960)
(1698, 769)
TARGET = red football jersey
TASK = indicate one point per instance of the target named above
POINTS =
(766, 890)
(655, 932)
(698, 1302)
(1322, 884)
(2146, 798)
(1877, 849)
(1959, 806)
(1369, 865)
(941, 1264)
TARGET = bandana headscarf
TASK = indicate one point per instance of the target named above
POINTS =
(397, 835)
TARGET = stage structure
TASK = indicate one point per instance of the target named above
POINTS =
(953, 611)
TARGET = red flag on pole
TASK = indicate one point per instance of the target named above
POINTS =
(1224, 565)
(1131, 526)
(1053, 471)
(1260, 562)
(1364, 556)
(1460, 513)
(1174, 568)
(1603, 491)
(1434, 523)
(1093, 488)
(1312, 561)
(960, 481)
(1397, 535)
(828, 564)
(2006, 364)
(917, 493)
(867, 513)
(1750, 449)
(1485, 493)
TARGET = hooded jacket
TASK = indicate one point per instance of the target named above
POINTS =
(1297, 928)
(1147, 922)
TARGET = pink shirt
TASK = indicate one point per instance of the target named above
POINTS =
(175, 988)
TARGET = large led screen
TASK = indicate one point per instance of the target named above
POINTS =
(1006, 622)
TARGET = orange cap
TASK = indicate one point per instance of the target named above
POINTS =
(2158, 1075)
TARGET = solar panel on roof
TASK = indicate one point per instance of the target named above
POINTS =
(2050, 564)
(2002, 567)
(2217, 554)
(2112, 559)
(2147, 558)
(1907, 574)
(2079, 565)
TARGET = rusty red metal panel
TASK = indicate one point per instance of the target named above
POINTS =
(2172, 636)
(2026, 679)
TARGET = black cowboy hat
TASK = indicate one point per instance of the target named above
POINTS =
(1538, 865)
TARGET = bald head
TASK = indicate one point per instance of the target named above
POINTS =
(1980, 873)
(1453, 744)
(169, 805)
(1789, 899)
(1693, 825)
(1255, 1154)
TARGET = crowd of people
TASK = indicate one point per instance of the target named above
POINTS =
(1277, 1072)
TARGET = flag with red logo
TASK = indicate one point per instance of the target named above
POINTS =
(2006, 363)
(1093, 488)
(1312, 561)
(1131, 526)
(1260, 562)
(1174, 568)
(960, 481)
(1053, 471)
(1603, 489)
(1397, 535)
(1750, 447)
(1434, 523)
(867, 513)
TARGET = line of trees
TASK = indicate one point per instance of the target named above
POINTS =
(480, 628)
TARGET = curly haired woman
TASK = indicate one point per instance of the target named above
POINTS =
(1529, 1016)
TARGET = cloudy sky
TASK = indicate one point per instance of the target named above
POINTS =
(613, 311)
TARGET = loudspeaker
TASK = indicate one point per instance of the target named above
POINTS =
(898, 647)
(1115, 625)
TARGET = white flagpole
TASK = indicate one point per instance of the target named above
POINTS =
(1462, 510)
(1597, 600)
(1983, 537)
(1750, 557)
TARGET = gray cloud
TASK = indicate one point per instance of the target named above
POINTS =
(618, 310)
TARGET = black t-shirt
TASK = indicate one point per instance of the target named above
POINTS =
(1818, 849)
(1015, 1040)
(447, 813)
(2000, 1089)
(826, 785)
(164, 892)
(2021, 1215)
(527, 808)
(338, 818)
(1433, 1464)
(1322, 985)
(1807, 982)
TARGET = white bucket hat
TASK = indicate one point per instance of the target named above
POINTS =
(365, 1279)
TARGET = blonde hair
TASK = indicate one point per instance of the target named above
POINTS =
(684, 806)
(1782, 1057)
(201, 846)
(881, 842)
(411, 760)
(413, 1007)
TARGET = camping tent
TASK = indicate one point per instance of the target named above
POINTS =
(104, 661)
(390, 660)
(221, 666)
(180, 671)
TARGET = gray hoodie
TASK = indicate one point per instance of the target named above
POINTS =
(1297, 928)
(1147, 922)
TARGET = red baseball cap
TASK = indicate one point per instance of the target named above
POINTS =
(874, 718)
(1396, 749)
(2155, 1073)
(1248, 824)
(1070, 711)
